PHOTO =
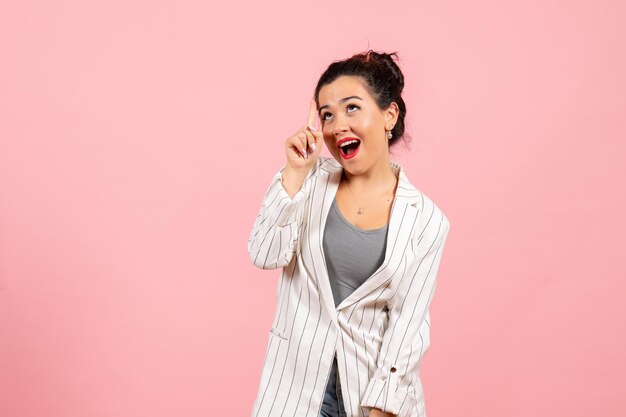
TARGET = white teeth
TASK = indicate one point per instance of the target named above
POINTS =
(348, 142)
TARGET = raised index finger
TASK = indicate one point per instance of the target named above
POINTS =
(312, 114)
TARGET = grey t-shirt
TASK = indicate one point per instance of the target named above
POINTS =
(352, 254)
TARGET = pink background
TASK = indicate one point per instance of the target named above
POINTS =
(138, 138)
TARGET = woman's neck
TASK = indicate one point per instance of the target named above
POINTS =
(376, 180)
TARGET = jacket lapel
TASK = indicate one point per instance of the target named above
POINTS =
(405, 207)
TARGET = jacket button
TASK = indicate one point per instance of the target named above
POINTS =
(393, 369)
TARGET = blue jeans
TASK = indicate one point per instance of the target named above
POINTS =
(332, 405)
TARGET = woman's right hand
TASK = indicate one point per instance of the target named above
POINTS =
(304, 146)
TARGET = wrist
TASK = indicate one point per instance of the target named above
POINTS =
(292, 180)
(376, 412)
(299, 173)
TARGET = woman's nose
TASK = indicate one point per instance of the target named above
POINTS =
(341, 126)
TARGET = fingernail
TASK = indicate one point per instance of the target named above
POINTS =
(312, 128)
(313, 147)
(304, 152)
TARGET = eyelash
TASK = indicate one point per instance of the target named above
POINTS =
(349, 105)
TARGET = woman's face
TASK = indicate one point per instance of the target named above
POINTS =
(349, 113)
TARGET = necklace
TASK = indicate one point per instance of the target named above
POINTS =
(360, 209)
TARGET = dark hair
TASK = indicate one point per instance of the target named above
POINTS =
(382, 78)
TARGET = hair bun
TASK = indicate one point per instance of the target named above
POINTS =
(389, 62)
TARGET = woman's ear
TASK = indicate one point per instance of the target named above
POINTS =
(391, 115)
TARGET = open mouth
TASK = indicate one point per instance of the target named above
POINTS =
(349, 148)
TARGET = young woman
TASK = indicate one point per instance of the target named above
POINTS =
(359, 247)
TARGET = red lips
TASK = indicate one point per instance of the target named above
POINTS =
(354, 152)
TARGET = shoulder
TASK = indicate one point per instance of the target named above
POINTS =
(430, 216)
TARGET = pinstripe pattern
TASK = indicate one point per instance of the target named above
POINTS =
(380, 332)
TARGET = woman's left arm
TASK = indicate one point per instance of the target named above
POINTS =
(406, 337)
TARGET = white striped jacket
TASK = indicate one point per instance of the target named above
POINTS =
(380, 332)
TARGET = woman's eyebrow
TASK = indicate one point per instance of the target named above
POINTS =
(341, 101)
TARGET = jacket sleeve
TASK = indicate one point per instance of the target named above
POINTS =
(406, 338)
(276, 229)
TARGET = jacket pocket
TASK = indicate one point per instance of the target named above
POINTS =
(278, 333)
